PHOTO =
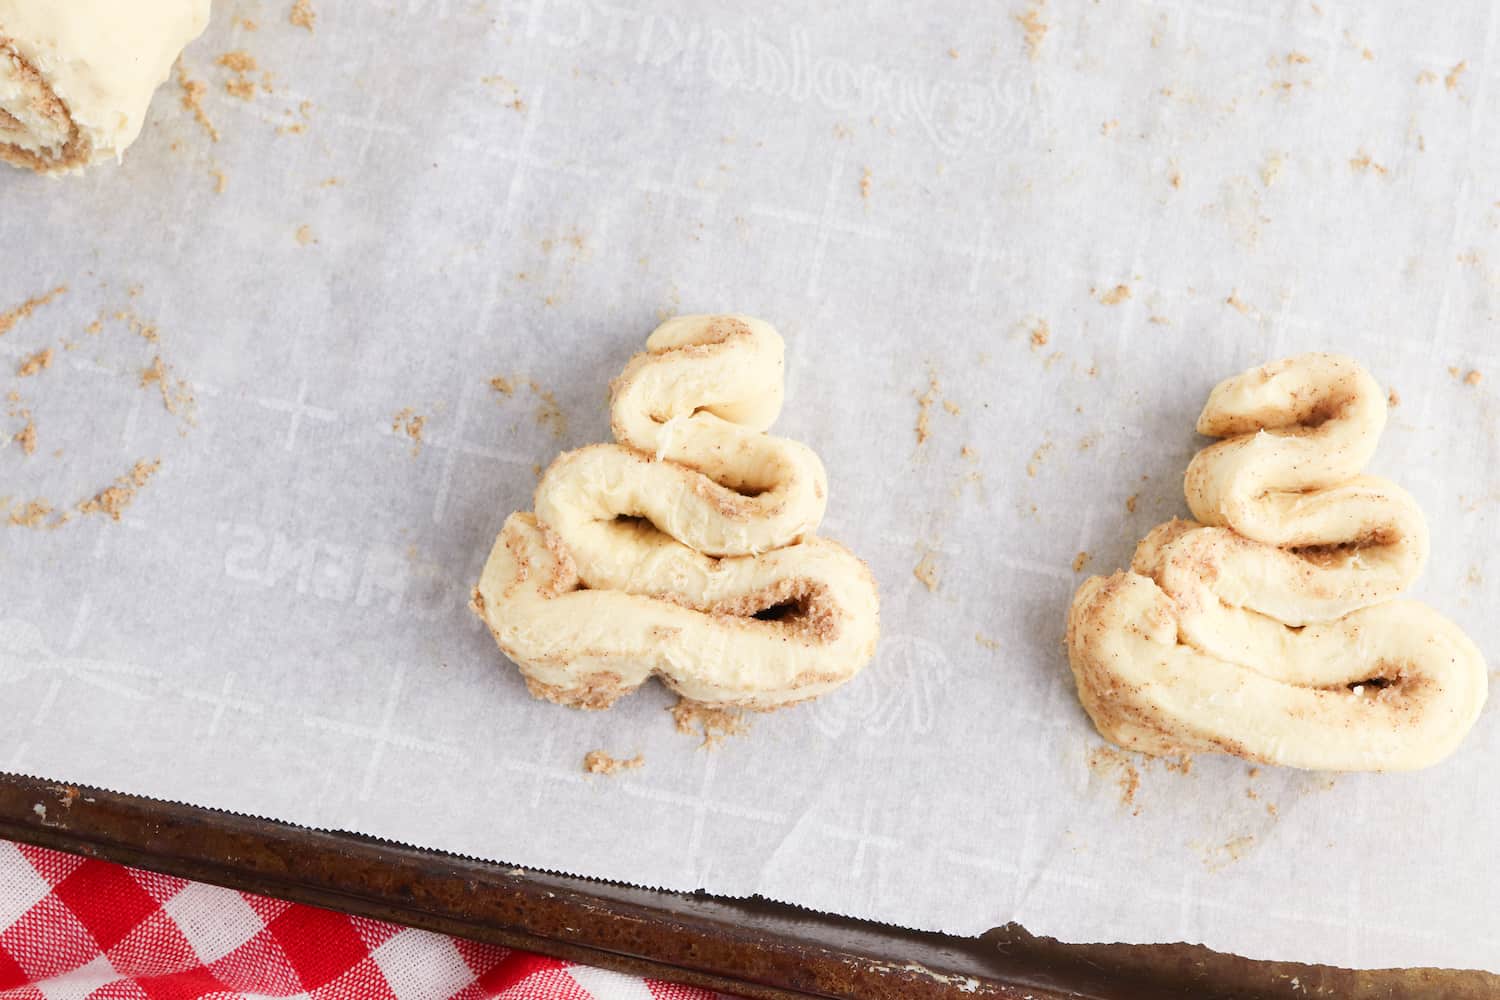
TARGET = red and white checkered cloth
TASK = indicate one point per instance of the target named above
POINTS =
(76, 928)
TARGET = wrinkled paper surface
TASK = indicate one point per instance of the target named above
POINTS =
(1074, 217)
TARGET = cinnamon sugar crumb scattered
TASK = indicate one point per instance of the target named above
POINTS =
(305, 235)
(502, 385)
(1474, 378)
(303, 16)
(192, 100)
(926, 570)
(1298, 58)
(36, 363)
(864, 184)
(1033, 28)
(548, 413)
(1393, 398)
(952, 407)
(248, 24)
(10, 318)
(114, 499)
(410, 423)
(221, 181)
(1451, 80)
(713, 723)
(238, 61)
(599, 762)
(924, 407)
(27, 437)
(1041, 333)
(176, 393)
(1179, 765)
(1236, 303)
(30, 514)
(1037, 458)
(1115, 295)
(1079, 561)
(1362, 162)
(1130, 502)
(1106, 762)
(969, 453)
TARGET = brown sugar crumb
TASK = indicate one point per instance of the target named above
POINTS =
(1254, 772)
(864, 184)
(713, 723)
(1393, 398)
(924, 406)
(331, 182)
(1179, 765)
(114, 499)
(926, 570)
(1451, 80)
(1131, 501)
(1362, 162)
(221, 180)
(1037, 458)
(27, 437)
(34, 364)
(1298, 58)
(599, 762)
(548, 413)
(952, 407)
(502, 385)
(1474, 377)
(30, 514)
(248, 24)
(1271, 809)
(1041, 333)
(176, 393)
(410, 423)
(1114, 296)
(305, 235)
(240, 87)
(238, 61)
(192, 100)
(969, 453)
(1236, 303)
(1107, 762)
(1033, 28)
(303, 16)
(11, 317)
(1109, 126)
(1079, 561)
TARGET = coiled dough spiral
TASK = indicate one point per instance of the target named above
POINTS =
(686, 550)
(1267, 627)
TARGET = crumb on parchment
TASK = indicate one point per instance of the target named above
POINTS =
(713, 723)
(410, 423)
(302, 15)
(11, 317)
(1114, 296)
(111, 500)
(926, 570)
(599, 762)
(35, 364)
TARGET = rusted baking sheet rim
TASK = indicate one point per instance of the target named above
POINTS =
(752, 948)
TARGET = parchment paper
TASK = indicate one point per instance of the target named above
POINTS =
(1074, 217)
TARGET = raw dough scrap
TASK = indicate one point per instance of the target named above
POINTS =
(76, 76)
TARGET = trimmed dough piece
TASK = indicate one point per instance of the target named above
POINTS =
(1268, 630)
(76, 76)
(687, 550)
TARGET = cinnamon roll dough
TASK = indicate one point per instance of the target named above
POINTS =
(687, 549)
(1267, 628)
(76, 76)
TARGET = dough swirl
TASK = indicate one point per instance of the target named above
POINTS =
(1267, 628)
(686, 550)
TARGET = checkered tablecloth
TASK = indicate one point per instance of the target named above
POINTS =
(75, 928)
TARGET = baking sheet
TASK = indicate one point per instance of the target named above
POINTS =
(1062, 222)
